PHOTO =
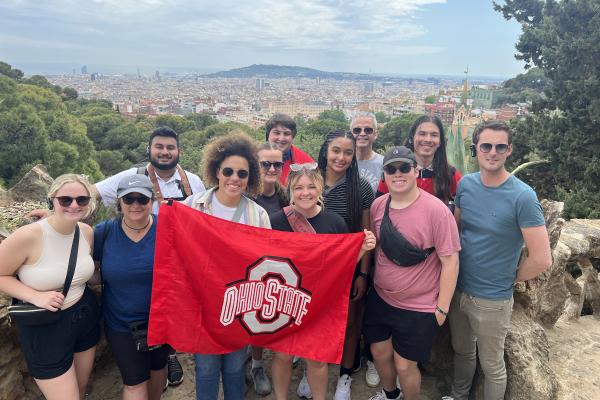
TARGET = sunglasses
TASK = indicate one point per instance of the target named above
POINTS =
(268, 164)
(367, 130)
(129, 200)
(66, 201)
(241, 173)
(391, 169)
(501, 148)
(307, 166)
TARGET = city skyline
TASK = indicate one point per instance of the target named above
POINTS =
(434, 37)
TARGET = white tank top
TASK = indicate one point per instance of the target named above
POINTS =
(50, 270)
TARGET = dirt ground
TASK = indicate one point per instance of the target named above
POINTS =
(108, 384)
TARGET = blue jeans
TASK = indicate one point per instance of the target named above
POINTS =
(208, 371)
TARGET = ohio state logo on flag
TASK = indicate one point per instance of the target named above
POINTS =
(219, 286)
(268, 299)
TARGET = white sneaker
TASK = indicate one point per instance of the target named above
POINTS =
(343, 390)
(381, 396)
(371, 376)
(303, 390)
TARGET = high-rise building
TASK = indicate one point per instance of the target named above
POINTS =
(369, 87)
(84, 70)
(260, 84)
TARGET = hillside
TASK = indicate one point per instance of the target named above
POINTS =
(284, 71)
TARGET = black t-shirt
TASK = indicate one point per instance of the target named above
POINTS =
(323, 222)
(269, 203)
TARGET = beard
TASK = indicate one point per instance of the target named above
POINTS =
(162, 166)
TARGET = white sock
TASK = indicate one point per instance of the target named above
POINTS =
(257, 363)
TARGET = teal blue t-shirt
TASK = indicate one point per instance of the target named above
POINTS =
(490, 233)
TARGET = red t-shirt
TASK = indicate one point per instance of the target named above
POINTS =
(425, 182)
(298, 157)
(425, 223)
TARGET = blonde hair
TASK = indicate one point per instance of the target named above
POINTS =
(74, 178)
(314, 175)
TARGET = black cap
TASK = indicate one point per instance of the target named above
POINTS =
(399, 153)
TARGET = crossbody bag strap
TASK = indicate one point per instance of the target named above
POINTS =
(239, 210)
(187, 189)
(72, 261)
(154, 181)
(297, 221)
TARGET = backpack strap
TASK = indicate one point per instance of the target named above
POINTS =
(185, 183)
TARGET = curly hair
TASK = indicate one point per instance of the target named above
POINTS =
(282, 196)
(353, 196)
(236, 143)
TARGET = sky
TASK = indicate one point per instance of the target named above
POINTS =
(440, 37)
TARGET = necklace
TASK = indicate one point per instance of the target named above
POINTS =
(138, 230)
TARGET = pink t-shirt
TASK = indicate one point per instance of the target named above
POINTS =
(425, 223)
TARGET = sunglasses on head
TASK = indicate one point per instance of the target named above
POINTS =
(501, 148)
(367, 130)
(241, 173)
(391, 169)
(307, 166)
(66, 201)
(130, 199)
(268, 164)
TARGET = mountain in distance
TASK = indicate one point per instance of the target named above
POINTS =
(284, 71)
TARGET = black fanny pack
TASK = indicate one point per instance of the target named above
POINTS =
(139, 332)
(396, 247)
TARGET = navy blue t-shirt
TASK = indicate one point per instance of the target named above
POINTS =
(126, 273)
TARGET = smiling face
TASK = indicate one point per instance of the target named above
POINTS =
(339, 155)
(232, 187)
(135, 214)
(272, 174)
(305, 194)
(73, 211)
(400, 183)
(282, 137)
(364, 140)
(426, 140)
(492, 162)
(164, 152)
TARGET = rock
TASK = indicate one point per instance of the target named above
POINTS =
(527, 359)
(33, 186)
(4, 199)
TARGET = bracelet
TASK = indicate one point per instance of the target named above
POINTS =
(444, 313)
(363, 274)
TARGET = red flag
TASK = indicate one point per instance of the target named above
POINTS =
(219, 285)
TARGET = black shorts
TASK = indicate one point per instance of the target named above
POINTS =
(412, 332)
(135, 366)
(49, 349)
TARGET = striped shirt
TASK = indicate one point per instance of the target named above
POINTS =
(336, 200)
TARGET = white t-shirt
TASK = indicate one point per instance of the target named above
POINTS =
(222, 211)
(169, 188)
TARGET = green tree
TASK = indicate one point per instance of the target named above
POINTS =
(23, 140)
(177, 123)
(201, 120)
(334, 115)
(9, 71)
(561, 38)
(382, 117)
(394, 132)
(432, 99)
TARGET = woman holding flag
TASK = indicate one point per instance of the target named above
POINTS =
(307, 214)
(231, 168)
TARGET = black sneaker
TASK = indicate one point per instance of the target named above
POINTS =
(174, 371)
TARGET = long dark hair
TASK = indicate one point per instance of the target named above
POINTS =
(442, 171)
(353, 197)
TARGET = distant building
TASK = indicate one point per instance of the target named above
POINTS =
(157, 75)
(483, 97)
(369, 87)
(510, 111)
(260, 84)
(84, 70)
(443, 110)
